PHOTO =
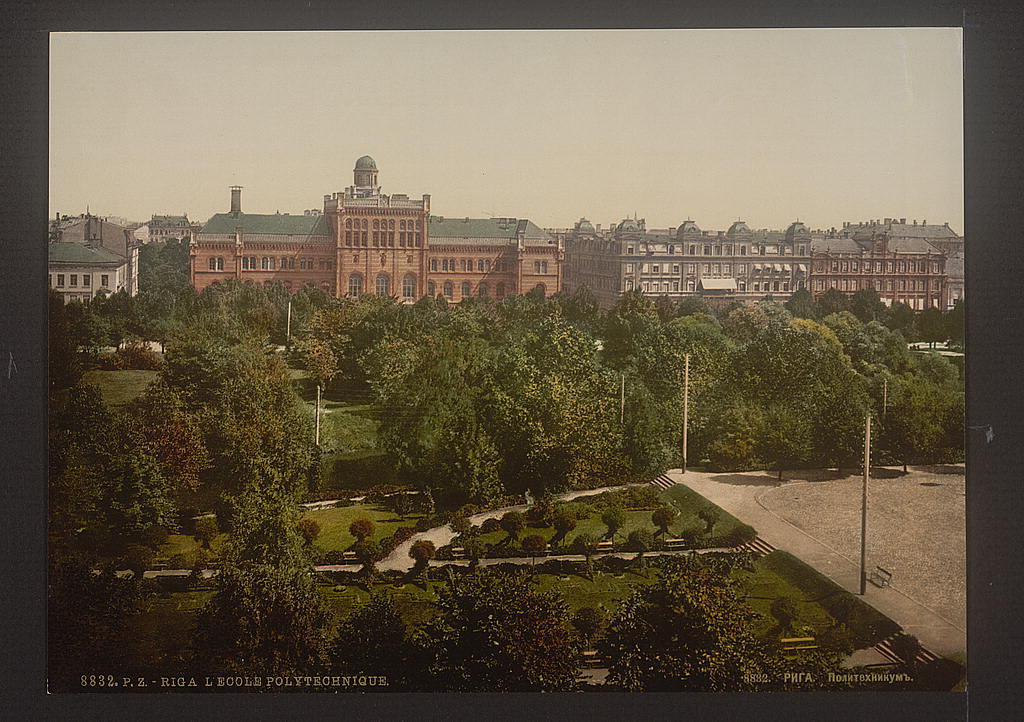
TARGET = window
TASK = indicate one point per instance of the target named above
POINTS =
(761, 251)
(629, 284)
(543, 266)
(693, 250)
(689, 286)
(409, 286)
(213, 264)
(364, 238)
(355, 285)
(376, 226)
(718, 268)
(105, 280)
(466, 289)
(480, 265)
(500, 292)
(348, 223)
(903, 284)
(691, 267)
(675, 268)
(718, 250)
(220, 265)
(707, 250)
(675, 285)
(252, 263)
(74, 279)
(482, 290)
(629, 268)
(447, 289)
(726, 267)
(433, 264)
(775, 285)
(657, 268)
(382, 285)
(462, 264)
(707, 268)
(629, 249)
(431, 289)
(757, 286)
(802, 250)
(855, 267)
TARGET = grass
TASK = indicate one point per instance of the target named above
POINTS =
(119, 387)
(764, 585)
(188, 546)
(334, 523)
(688, 503)
(593, 526)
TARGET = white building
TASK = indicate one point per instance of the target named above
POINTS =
(78, 271)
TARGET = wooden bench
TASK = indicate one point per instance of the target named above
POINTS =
(880, 577)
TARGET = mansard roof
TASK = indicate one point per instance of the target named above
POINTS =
(278, 224)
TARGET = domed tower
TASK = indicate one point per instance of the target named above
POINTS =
(797, 231)
(739, 230)
(688, 230)
(365, 173)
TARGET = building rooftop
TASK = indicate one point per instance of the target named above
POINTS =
(279, 224)
(169, 221)
(366, 163)
(486, 228)
(81, 253)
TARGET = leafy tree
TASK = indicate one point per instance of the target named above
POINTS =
(954, 323)
(534, 545)
(640, 541)
(368, 552)
(267, 616)
(206, 530)
(309, 529)
(906, 647)
(801, 305)
(563, 523)
(833, 301)
(586, 544)
(138, 558)
(460, 525)
(587, 621)
(361, 528)
(613, 518)
(787, 440)
(931, 326)
(662, 518)
(901, 318)
(374, 639)
(512, 522)
(784, 611)
(866, 305)
(421, 552)
(490, 525)
(496, 633)
(837, 637)
(474, 549)
(710, 516)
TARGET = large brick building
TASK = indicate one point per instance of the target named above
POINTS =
(734, 265)
(365, 241)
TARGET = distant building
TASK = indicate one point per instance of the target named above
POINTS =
(79, 271)
(365, 241)
(735, 265)
(100, 233)
(163, 228)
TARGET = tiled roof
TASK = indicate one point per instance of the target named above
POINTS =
(835, 245)
(911, 245)
(80, 253)
(484, 228)
(169, 221)
(276, 224)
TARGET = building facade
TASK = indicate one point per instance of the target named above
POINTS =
(734, 265)
(366, 241)
(908, 270)
(86, 229)
(162, 228)
(80, 271)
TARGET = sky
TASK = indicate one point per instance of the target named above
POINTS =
(820, 125)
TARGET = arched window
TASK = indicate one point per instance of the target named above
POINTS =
(466, 290)
(487, 265)
(480, 265)
(482, 290)
(401, 225)
(444, 264)
(382, 285)
(433, 264)
(418, 226)
(348, 223)
(355, 285)
(462, 264)
(500, 291)
(447, 289)
(543, 290)
(391, 224)
(431, 289)
(365, 224)
(220, 264)
(213, 263)
(451, 264)
(409, 286)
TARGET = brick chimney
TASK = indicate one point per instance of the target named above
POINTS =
(236, 200)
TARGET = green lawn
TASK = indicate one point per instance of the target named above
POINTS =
(764, 585)
(118, 387)
(688, 503)
(593, 526)
(188, 546)
(334, 523)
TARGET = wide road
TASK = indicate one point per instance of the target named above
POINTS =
(916, 529)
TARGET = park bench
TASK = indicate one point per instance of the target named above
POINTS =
(794, 643)
(671, 544)
(605, 546)
(880, 577)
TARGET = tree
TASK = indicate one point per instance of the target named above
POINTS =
(801, 305)
(512, 522)
(474, 549)
(613, 518)
(690, 631)
(534, 545)
(361, 528)
(267, 616)
(460, 525)
(401, 504)
(786, 441)
(784, 611)
(906, 648)
(374, 639)
(309, 530)
(563, 523)
(421, 552)
(833, 301)
(932, 326)
(367, 552)
(587, 621)
(662, 518)
(138, 558)
(496, 633)
(640, 541)
(866, 305)
(709, 515)
(586, 545)
(206, 530)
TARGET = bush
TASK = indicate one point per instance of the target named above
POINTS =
(445, 553)
(153, 535)
(403, 533)
(138, 559)
(361, 528)
(534, 545)
(838, 638)
(739, 534)
(663, 517)
(490, 525)
(587, 622)
(178, 561)
(333, 556)
(512, 523)
(469, 510)
(460, 524)
(639, 540)
(784, 611)
(206, 529)
(132, 356)
(422, 552)
(308, 529)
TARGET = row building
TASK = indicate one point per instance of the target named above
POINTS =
(366, 241)
(103, 256)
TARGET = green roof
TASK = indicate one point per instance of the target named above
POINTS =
(80, 253)
(441, 227)
(366, 163)
(272, 224)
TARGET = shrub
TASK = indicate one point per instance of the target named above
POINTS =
(504, 550)
(400, 503)
(534, 545)
(709, 515)
(739, 534)
(784, 611)
(206, 530)
(490, 525)
(308, 529)
(460, 524)
(541, 512)
(333, 556)
(361, 528)
(132, 356)
(445, 553)
(403, 533)
(138, 559)
(639, 540)
(613, 517)
(422, 551)
(587, 621)
(663, 517)
(563, 523)
(153, 535)
(178, 561)
(906, 648)
(367, 551)
(469, 510)
(837, 637)
(512, 523)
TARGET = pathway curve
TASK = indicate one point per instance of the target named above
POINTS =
(738, 494)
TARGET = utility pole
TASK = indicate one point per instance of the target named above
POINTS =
(864, 507)
(885, 395)
(622, 401)
(288, 332)
(318, 414)
(686, 403)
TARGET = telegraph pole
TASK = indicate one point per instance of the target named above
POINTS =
(686, 404)
(864, 507)
(288, 333)
(885, 394)
(622, 401)
(318, 414)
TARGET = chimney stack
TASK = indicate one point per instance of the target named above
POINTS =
(903, 221)
(236, 200)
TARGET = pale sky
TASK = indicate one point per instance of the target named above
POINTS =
(714, 125)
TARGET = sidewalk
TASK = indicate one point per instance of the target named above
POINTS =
(740, 499)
